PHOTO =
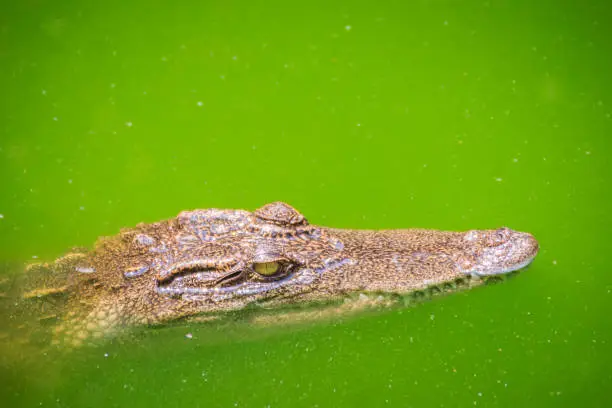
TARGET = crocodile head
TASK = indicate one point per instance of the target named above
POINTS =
(212, 261)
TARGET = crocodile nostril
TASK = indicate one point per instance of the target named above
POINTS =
(498, 237)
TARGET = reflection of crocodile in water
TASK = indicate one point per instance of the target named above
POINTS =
(212, 261)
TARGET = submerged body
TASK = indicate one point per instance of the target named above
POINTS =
(206, 262)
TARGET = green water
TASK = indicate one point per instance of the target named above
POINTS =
(361, 115)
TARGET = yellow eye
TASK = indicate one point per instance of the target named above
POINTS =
(267, 268)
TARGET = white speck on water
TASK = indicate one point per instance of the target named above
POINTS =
(200, 103)
(432, 316)
(1, 216)
(106, 355)
(499, 179)
(588, 152)
(359, 125)
(554, 262)
(55, 118)
(348, 28)
(34, 256)
(44, 92)
(515, 160)
(82, 208)
(480, 394)
(69, 181)
(128, 124)
(189, 336)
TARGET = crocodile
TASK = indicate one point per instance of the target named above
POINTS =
(212, 261)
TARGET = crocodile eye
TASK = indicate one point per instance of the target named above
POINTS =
(267, 268)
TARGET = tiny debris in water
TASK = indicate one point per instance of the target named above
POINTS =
(189, 336)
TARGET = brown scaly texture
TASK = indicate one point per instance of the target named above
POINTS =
(207, 262)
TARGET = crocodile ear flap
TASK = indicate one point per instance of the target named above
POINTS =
(280, 213)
